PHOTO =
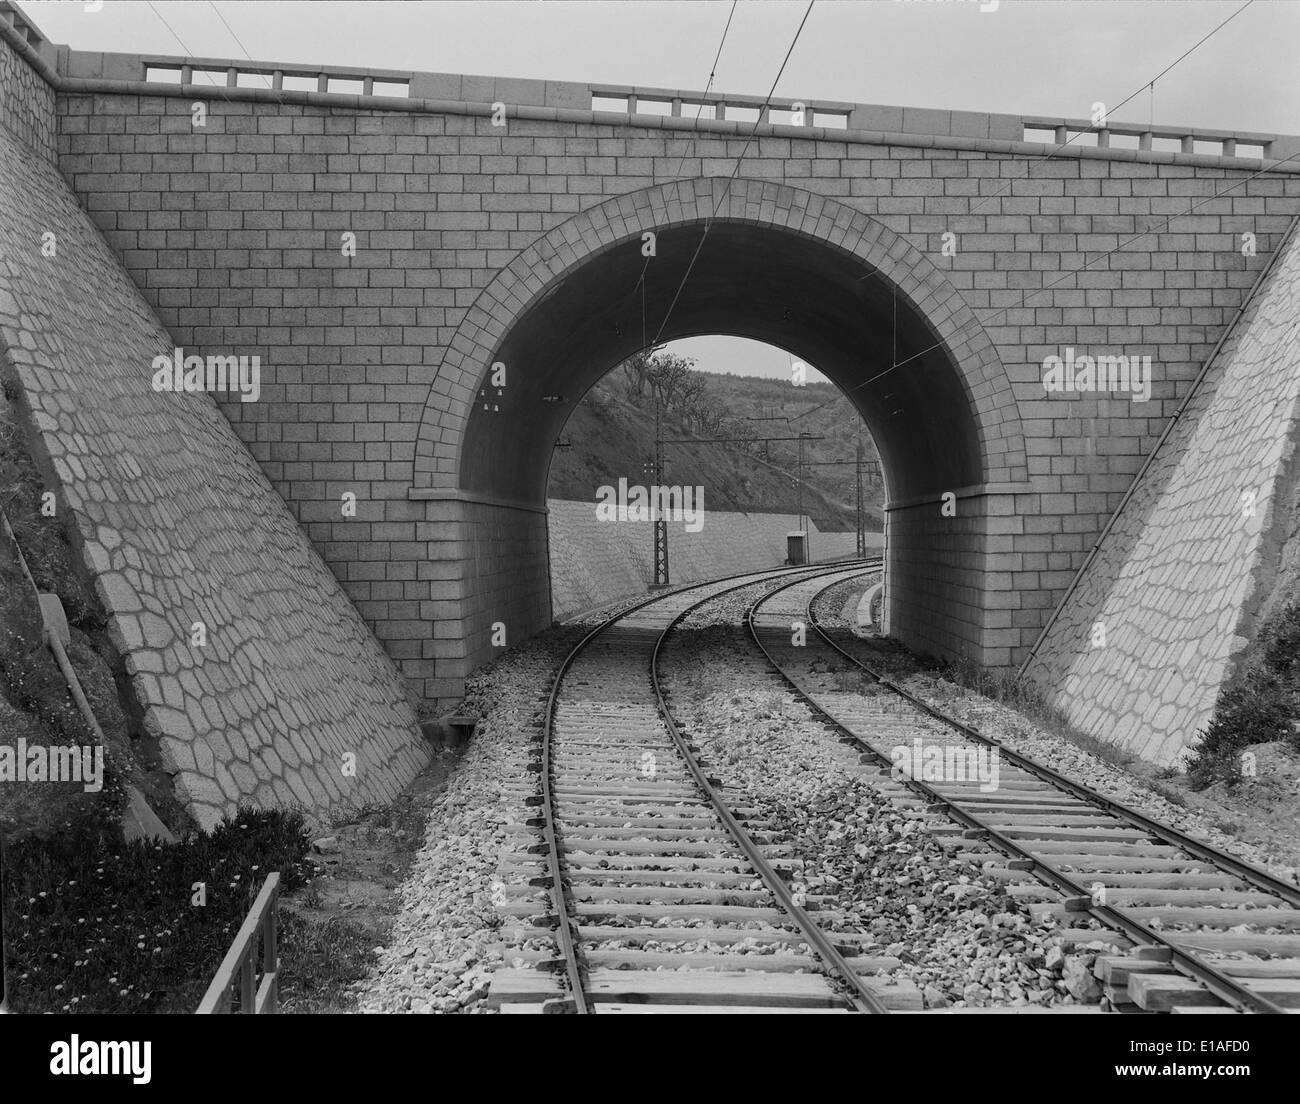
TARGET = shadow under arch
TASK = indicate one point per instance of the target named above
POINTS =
(778, 264)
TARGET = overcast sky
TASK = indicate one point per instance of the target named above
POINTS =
(1024, 57)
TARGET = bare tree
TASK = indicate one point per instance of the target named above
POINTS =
(690, 399)
(711, 417)
(667, 374)
(636, 372)
(739, 427)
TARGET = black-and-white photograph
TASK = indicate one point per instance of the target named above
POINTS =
(651, 507)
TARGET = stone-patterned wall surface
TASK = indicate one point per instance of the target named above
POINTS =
(1144, 644)
(290, 700)
(26, 104)
(595, 561)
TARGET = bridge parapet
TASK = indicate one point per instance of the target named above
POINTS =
(386, 89)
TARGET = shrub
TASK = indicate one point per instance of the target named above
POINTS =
(1257, 706)
(1254, 709)
(94, 924)
(1281, 644)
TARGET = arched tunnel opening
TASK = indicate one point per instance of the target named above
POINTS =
(752, 443)
(821, 303)
(751, 279)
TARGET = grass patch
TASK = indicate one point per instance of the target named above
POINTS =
(94, 924)
(320, 960)
(1027, 699)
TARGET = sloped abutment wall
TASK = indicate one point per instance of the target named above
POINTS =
(254, 671)
(1155, 627)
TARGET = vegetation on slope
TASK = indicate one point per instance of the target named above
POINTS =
(1259, 705)
(35, 705)
(611, 435)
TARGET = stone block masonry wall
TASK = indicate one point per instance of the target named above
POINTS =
(931, 597)
(505, 584)
(1175, 585)
(291, 700)
(232, 232)
(594, 562)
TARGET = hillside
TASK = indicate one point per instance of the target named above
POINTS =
(611, 435)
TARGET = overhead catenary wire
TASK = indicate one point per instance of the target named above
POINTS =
(1151, 84)
(708, 222)
(189, 54)
(687, 142)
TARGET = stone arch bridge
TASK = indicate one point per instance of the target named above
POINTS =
(929, 262)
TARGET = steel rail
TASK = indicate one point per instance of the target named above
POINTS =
(1225, 988)
(863, 998)
(566, 925)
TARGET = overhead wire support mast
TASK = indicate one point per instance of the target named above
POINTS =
(661, 523)
(860, 511)
(861, 464)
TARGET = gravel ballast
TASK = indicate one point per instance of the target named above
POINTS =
(444, 944)
(1021, 734)
(954, 930)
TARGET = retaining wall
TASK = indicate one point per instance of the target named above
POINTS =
(594, 562)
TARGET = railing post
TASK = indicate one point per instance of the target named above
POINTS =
(242, 959)
(248, 984)
(271, 952)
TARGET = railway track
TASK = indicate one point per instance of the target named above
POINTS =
(1207, 932)
(641, 886)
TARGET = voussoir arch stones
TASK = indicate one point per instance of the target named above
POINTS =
(518, 285)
